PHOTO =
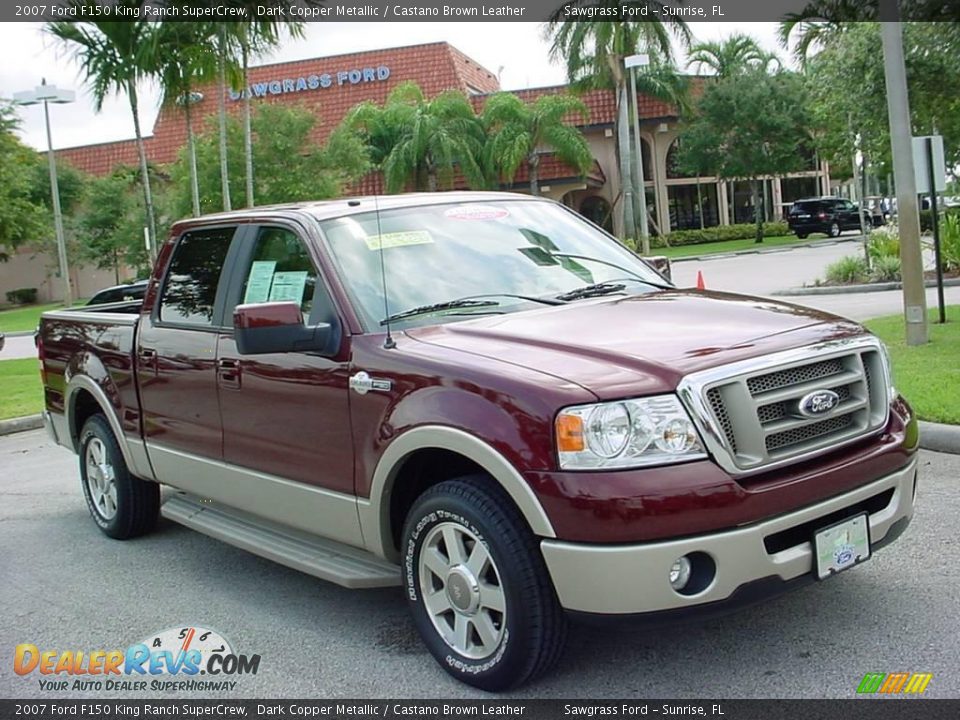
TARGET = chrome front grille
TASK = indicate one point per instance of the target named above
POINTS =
(752, 409)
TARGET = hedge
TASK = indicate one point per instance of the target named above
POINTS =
(22, 296)
(720, 233)
(926, 217)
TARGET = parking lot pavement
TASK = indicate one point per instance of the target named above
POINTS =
(20, 346)
(64, 586)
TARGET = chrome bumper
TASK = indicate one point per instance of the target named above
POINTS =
(630, 579)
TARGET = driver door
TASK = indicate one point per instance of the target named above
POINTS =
(285, 416)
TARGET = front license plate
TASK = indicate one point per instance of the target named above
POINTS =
(842, 545)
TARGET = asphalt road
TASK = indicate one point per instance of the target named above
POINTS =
(64, 586)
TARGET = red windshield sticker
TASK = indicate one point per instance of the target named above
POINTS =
(476, 212)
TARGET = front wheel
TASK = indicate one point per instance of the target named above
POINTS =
(477, 586)
(834, 230)
(123, 506)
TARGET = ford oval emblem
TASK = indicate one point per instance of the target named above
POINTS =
(818, 402)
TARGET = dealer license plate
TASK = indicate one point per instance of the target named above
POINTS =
(842, 545)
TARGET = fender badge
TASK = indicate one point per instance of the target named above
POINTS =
(362, 383)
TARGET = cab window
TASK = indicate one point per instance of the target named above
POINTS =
(190, 290)
(280, 270)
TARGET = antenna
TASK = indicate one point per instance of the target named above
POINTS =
(388, 343)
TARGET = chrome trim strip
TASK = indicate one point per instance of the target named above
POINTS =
(625, 579)
(692, 392)
(113, 318)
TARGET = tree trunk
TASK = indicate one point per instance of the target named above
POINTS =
(757, 214)
(533, 165)
(247, 133)
(431, 179)
(116, 267)
(192, 152)
(144, 171)
(222, 113)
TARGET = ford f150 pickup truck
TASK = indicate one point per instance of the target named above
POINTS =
(486, 400)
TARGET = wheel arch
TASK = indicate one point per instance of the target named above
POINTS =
(84, 398)
(466, 453)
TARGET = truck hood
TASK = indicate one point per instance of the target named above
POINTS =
(641, 344)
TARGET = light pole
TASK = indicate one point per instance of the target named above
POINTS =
(632, 62)
(47, 94)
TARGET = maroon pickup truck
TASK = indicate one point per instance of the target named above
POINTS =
(488, 401)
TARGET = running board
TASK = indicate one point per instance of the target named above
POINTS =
(322, 558)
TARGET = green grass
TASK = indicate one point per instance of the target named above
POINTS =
(24, 318)
(20, 390)
(927, 375)
(725, 246)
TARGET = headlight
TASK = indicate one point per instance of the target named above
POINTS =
(629, 433)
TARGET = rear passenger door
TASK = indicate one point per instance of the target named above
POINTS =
(176, 356)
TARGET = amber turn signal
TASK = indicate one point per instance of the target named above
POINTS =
(570, 433)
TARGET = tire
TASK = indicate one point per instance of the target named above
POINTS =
(834, 230)
(503, 624)
(122, 506)
(802, 236)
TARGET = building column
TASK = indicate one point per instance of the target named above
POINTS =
(777, 199)
(723, 202)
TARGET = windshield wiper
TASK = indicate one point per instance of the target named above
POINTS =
(595, 290)
(633, 275)
(477, 301)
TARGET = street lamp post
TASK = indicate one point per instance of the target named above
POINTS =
(47, 94)
(632, 63)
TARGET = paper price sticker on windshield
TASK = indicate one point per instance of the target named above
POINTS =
(398, 239)
(476, 212)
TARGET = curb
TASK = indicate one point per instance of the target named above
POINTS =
(21, 424)
(21, 333)
(939, 437)
(852, 289)
(764, 251)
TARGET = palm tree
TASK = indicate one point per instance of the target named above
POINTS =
(114, 57)
(517, 133)
(594, 50)
(422, 141)
(730, 56)
(184, 59)
(808, 34)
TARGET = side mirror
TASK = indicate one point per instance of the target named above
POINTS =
(278, 327)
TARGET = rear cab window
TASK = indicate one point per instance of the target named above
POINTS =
(189, 295)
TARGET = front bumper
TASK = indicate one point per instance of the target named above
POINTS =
(632, 579)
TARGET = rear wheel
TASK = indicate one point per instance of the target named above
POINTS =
(802, 236)
(122, 506)
(477, 586)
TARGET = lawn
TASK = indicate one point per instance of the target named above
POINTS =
(725, 246)
(927, 375)
(24, 318)
(20, 390)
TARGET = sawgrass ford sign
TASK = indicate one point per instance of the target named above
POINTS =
(306, 83)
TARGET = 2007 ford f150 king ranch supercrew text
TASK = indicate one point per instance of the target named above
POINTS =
(486, 400)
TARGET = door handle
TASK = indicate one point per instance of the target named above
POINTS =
(228, 373)
(148, 359)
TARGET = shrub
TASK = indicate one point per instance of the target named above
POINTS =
(847, 270)
(22, 296)
(885, 269)
(884, 242)
(719, 233)
(926, 217)
(950, 243)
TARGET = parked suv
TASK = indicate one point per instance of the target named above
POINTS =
(827, 215)
(489, 402)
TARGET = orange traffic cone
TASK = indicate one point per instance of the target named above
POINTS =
(700, 285)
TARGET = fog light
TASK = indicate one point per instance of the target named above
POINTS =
(680, 573)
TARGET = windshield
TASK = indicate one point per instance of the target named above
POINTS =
(434, 254)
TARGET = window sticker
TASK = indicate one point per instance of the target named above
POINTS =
(258, 281)
(476, 212)
(399, 239)
(288, 286)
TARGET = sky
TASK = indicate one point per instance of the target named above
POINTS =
(515, 50)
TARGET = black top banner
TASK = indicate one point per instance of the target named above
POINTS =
(691, 11)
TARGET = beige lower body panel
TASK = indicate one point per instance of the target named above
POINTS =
(628, 579)
(298, 505)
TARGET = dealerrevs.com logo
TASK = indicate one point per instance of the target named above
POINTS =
(169, 660)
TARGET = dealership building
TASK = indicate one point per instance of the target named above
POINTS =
(330, 86)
